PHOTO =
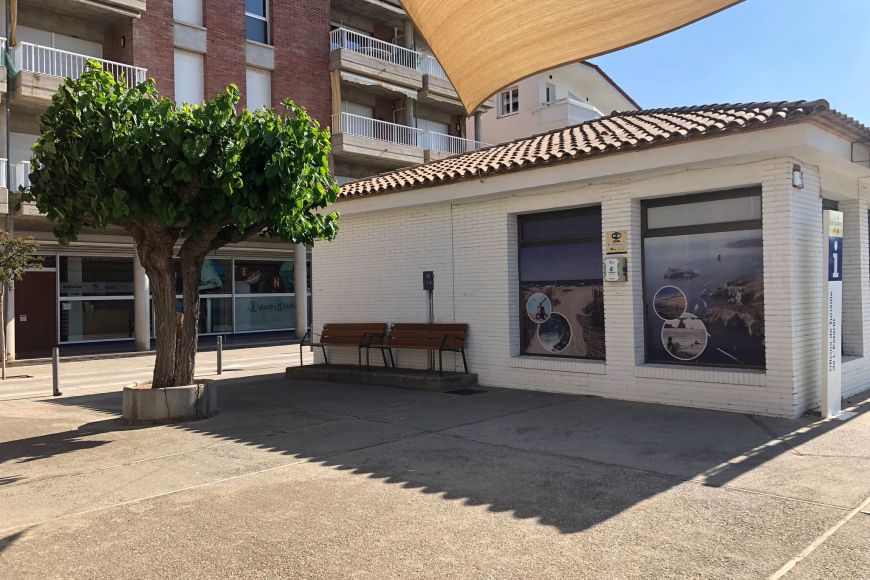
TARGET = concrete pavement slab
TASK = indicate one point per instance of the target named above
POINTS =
(715, 447)
(430, 507)
(846, 554)
(36, 499)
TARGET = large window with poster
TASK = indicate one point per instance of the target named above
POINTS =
(264, 295)
(703, 280)
(561, 292)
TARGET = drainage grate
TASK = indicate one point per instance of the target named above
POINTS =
(464, 392)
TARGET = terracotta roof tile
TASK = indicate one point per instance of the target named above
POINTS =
(613, 134)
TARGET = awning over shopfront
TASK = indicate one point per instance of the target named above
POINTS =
(486, 45)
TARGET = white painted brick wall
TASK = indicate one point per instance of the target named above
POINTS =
(372, 272)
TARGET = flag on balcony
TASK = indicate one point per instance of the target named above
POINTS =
(486, 45)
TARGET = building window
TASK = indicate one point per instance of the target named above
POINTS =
(259, 88)
(188, 77)
(509, 102)
(257, 21)
(561, 290)
(96, 298)
(187, 11)
(264, 295)
(703, 280)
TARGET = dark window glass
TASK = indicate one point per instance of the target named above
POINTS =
(256, 29)
(257, 7)
(263, 277)
(703, 287)
(561, 290)
(96, 276)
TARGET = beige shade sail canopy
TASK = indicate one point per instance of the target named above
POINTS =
(486, 45)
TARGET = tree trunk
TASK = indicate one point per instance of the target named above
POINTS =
(155, 246)
(185, 354)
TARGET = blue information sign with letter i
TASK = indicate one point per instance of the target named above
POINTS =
(832, 321)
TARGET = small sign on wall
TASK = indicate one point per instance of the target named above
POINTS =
(617, 242)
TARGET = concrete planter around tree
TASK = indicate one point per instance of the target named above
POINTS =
(142, 403)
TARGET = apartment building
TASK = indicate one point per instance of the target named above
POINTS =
(93, 294)
(392, 104)
(555, 99)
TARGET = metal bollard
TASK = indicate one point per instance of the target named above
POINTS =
(220, 355)
(55, 372)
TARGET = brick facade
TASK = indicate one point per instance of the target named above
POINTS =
(224, 60)
(300, 34)
(147, 43)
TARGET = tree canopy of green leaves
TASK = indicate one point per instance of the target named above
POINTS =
(202, 176)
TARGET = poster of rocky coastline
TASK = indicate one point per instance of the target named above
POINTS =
(710, 283)
(565, 318)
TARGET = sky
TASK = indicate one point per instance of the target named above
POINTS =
(758, 50)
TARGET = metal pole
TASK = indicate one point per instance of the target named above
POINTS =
(431, 321)
(55, 371)
(220, 355)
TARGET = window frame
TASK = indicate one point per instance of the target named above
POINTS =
(732, 226)
(266, 17)
(585, 210)
(513, 94)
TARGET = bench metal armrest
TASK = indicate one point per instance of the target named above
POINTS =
(446, 336)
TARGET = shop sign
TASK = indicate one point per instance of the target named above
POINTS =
(833, 315)
(617, 242)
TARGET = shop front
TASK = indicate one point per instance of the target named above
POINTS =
(89, 300)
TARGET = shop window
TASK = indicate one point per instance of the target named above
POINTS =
(703, 280)
(88, 320)
(213, 278)
(95, 276)
(261, 313)
(561, 290)
(264, 277)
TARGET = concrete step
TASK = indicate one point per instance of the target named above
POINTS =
(388, 377)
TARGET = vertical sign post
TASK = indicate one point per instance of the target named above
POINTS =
(832, 342)
(429, 287)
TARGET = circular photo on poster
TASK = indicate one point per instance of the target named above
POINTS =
(684, 338)
(555, 334)
(539, 307)
(670, 303)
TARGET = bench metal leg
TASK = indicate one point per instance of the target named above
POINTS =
(464, 362)
(326, 360)
(441, 362)
(384, 356)
(392, 360)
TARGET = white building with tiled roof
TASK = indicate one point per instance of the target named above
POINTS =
(718, 210)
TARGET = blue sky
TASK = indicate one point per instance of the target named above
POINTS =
(759, 50)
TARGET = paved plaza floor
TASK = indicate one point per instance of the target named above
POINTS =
(319, 480)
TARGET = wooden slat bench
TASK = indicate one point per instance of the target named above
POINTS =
(433, 337)
(359, 335)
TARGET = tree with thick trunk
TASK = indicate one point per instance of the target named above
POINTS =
(183, 181)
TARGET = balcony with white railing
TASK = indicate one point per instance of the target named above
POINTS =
(42, 69)
(358, 136)
(61, 63)
(343, 38)
(20, 179)
(450, 144)
(566, 112)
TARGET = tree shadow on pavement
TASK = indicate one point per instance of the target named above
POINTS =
(569, 462)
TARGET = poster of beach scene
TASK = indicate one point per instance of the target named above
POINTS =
(570, 322)
(705, 299)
